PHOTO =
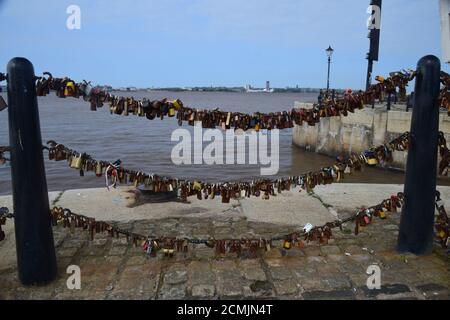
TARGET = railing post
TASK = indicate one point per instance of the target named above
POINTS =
(417, 219)
(36, 260)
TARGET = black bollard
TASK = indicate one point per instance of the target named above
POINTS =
(417, 219)
(36, 259)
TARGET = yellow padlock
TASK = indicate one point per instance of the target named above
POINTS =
(379, 78)
(177, 104)
(257, 127)
(69, 90)
(372, 161)
(197, 186)
(171, 112)
(287, 244)
(382, 214)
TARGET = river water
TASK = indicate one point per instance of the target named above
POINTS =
(146, 145)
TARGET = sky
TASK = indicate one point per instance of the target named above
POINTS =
(166, 43)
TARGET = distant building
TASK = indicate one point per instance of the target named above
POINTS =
(249, 89)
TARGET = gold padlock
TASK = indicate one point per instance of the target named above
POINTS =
(76, 162)
(171, 112)
(125, 107)
(177, 104)
(98, 169)
(382, 214)
(197, 186)
(287, 244)
(227, 122)
(379, 78)
(69, 89)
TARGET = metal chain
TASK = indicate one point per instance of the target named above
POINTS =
(65, 87)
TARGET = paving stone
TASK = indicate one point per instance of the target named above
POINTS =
(200, 273)
(203, 291)
(336, 257)
(329, 295)
(431, 287)
(286, 287)
(175, 292)
(230, 290)
(385, 289)
(252, 270)
(280, 273)
(118, 250)
(261, 288)
(67, 252)
(175, 276)
(311, 251)
(327, 250)
(337, 281)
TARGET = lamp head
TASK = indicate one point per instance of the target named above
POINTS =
(329, 51)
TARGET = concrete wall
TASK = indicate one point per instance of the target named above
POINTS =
(359, 131)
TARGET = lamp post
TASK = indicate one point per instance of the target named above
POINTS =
(329, 52)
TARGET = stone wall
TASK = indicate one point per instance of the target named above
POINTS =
(359, 131)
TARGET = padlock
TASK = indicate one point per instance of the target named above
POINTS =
(382, 214)
(125, 107)
(98, 169)
(197, 186)
(227, 122)
(69, 89)
(307, 228)
(76, 162)
(287, 244)
(367, 219)
(370, 158)
(171, 112)
(210, 243)
(3, 104)
(177, 104)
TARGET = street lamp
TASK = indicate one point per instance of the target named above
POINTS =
(329, 52)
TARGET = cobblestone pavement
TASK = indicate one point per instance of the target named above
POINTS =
(112, 269)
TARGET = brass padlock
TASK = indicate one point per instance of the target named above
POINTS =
(287, 244)
(125, 107)
(177, 104)
(76, 162)
(98, 169)
(197, 186)
(227, 122)
(69, 89)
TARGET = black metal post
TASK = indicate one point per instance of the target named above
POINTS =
(369, 74)
(328, 75)
(36, 259)
(417, 219)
